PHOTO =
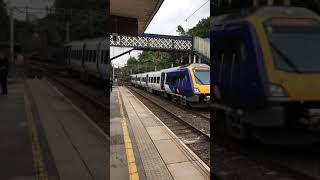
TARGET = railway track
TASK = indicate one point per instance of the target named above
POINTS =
(232, 160)
(93, 101)
(197, 139)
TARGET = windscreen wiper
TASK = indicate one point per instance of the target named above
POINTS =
(284, 57)
(199, 80)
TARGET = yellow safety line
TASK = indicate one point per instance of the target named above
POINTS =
(132, 167)
(39, 166)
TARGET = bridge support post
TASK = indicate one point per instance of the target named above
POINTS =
(270, 2)
(194, 58)
(287, 2)
(11, 36)
(189, 58)
(199, 60)
(113, 72)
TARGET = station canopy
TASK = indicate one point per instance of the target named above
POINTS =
(132, 17)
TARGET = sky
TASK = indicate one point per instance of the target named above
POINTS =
(21, 4)
(171, 14)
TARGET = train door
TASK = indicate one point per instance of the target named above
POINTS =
(83, 56)
(68, 55)
(98, 58)
(147, 80)
(235, 68)
(162, 80)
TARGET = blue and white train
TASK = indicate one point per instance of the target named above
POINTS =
(190, 84)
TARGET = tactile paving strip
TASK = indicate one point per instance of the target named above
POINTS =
(153, 164)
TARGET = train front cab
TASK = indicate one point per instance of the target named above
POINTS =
(266, 74)
(191, 84)
(200, 74)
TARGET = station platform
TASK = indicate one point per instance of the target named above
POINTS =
(44, 136)
(142, 147)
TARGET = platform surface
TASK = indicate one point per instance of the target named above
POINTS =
(158, 153)
(47, 137)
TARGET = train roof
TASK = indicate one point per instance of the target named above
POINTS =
(174, 68)
(93, 40)
(268, 11)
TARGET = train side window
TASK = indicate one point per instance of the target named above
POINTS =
(87, 55)
(158, 80)
(106, 57)
(94, 56)
(168, 80)
(91, 55)
(232, 49)
(101, 57)
(173, 80)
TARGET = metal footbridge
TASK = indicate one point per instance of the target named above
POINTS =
(196, 46)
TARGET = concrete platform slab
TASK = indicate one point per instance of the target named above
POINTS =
(79, 150)
(185, 171)
(163, 155)
(157, 133)
(21, 154)
(170, 153)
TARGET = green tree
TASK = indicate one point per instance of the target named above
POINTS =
(202, 29)
(4, 21)
(132, 61)
(181, 31)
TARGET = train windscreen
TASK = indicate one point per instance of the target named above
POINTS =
(202, 76)
(295, 44)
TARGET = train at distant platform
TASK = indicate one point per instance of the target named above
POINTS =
(88, 58)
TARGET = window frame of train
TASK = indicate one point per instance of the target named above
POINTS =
(94, 56)
(232, 46)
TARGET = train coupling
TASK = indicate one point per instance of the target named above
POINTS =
(311, 119)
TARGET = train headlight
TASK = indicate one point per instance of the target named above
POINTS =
(277, 91)
(196, 91)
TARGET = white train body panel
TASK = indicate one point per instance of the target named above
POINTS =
(103, 58)
(76, 56)
(154, 80)
(90, 57)
(143, 80)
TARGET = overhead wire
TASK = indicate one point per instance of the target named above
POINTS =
(186, 19)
